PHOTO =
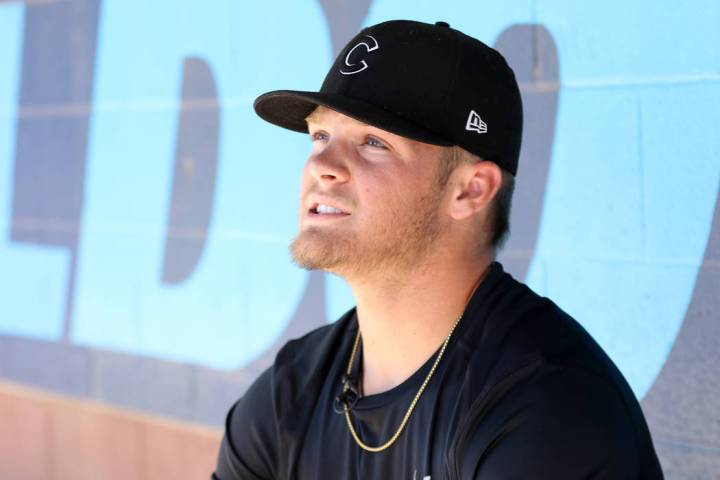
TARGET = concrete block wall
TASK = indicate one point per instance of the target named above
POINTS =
(146, 211)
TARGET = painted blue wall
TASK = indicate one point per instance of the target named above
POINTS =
(112, 113)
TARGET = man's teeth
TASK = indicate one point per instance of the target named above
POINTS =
(327, 209)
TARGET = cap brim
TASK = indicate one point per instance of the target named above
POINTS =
(288, 109)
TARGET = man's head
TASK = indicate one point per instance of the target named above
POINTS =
(373, 201)
(384, 189)
(449, 99)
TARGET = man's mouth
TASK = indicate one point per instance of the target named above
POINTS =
(322, 210)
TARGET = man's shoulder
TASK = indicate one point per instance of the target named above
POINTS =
(539, 371)
(522, 331)
(520, 326)
(313, 348)
(301, 365)
(279, 400)
(546, 412)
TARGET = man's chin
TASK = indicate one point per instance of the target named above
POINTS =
(315, 254)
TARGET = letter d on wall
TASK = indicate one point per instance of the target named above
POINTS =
(226, 306)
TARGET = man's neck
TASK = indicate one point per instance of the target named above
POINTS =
(403, 321)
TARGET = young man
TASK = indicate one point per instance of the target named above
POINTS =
(447, 368)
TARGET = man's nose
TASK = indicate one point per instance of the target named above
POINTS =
(328, 165)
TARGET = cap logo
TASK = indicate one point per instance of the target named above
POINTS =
(354, 67)
(475, 123)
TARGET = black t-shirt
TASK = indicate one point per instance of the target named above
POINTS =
(522, 392)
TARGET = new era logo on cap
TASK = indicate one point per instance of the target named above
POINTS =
(475, 123)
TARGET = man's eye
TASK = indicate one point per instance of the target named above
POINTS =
(317, 136)
(375, 143)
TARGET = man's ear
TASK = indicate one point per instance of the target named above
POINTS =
(474, 188)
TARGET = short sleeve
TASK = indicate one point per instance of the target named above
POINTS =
(559, 423)
(249, 446)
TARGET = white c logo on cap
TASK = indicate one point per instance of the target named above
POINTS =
(363, 62)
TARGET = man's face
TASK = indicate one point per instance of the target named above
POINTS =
(386, 190)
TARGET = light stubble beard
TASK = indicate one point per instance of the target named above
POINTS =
(400, 245)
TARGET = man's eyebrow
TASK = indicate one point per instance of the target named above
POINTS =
(314, 117)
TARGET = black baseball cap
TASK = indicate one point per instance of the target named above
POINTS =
(427, 82)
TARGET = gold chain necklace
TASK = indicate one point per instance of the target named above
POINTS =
(412, 405)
